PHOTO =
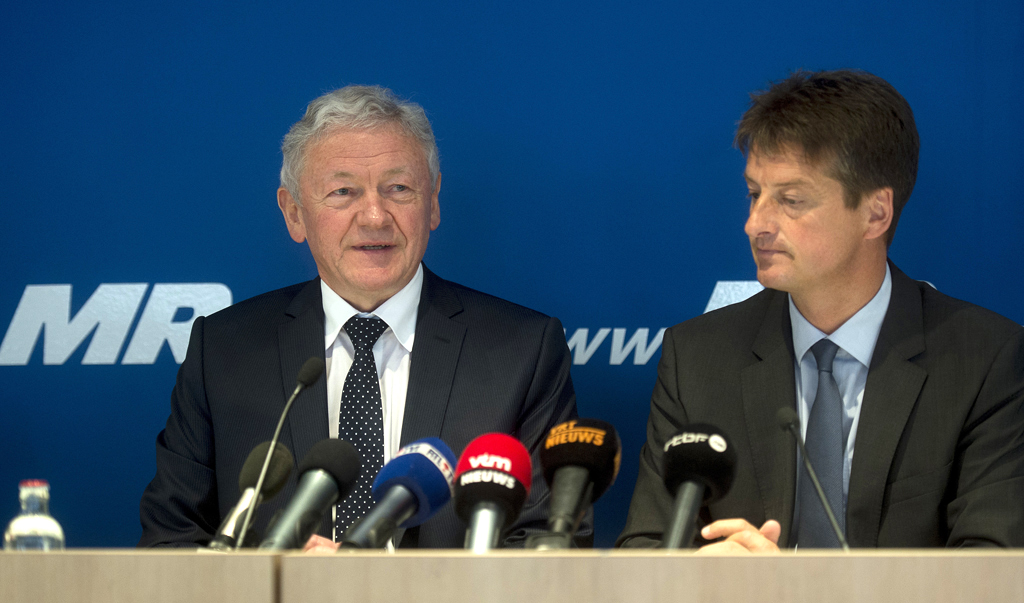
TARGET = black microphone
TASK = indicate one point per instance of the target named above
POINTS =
(308, 374)
(700, 464)
(790, 421)
(281, 463)
(328, 473)
(581, 459)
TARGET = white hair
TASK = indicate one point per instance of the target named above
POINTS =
(358, 107)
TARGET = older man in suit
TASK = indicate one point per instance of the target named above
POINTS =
(911, 402)
(359, 184)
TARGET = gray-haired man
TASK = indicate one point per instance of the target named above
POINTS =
(359, 184)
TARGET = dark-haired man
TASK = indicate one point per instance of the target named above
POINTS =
(911, 402)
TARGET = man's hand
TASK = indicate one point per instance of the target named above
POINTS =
(319, 544)
(740, 537)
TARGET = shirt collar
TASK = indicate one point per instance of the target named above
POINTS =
(857, 336)
(398, 311)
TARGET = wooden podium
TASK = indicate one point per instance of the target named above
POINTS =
(117, 576)
(616, 576)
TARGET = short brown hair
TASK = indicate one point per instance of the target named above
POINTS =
(854, 121)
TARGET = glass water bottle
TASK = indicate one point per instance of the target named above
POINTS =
(34, 529)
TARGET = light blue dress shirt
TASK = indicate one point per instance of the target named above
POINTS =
(856, 339)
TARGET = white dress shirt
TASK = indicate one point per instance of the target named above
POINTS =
(391, 354)
(856, 339)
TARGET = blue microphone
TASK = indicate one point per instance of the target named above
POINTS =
(408, 491)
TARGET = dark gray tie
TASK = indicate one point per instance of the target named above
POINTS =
(361, 422)
(826, 450)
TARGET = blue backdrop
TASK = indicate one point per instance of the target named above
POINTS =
(588, 173)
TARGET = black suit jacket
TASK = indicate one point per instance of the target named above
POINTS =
(479, 364)
(939, 458)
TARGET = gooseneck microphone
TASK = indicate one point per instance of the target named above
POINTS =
(308, 374)
(581, 459)
(492, 481)
(281, 462)
(700, 464)
(408, 491)
(790, 421)
(328, 472)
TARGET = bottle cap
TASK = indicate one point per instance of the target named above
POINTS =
(33, 483)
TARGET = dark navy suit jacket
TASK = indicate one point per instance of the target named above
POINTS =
(479, 364)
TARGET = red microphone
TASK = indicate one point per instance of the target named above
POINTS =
(492, 481)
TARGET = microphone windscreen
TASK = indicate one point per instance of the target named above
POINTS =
(700, 453)
(587, 443)
(338, 459)
(277, 473)
(493, 468)
(786, 416)
(426, 467)
(310, 371)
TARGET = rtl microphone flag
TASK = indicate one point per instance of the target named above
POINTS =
(427, 469)
(407, 491)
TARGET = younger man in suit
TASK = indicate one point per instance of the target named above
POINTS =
(911, 402)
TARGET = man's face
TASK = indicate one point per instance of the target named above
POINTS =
(367, 210)
(804, 239)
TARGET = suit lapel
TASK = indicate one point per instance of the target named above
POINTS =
(298, 339)
(767, 385)
(435, 356)
(892, 388)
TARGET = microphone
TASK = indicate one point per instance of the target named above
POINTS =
(311, 370)
(329, 471)
(790, 421)
(492, 481)
(700, 464)
(408, 491)
(281, 462)
(581, 459)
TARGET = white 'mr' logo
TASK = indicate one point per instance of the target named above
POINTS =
(44, 312)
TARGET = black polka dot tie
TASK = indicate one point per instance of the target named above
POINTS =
(361, 422)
